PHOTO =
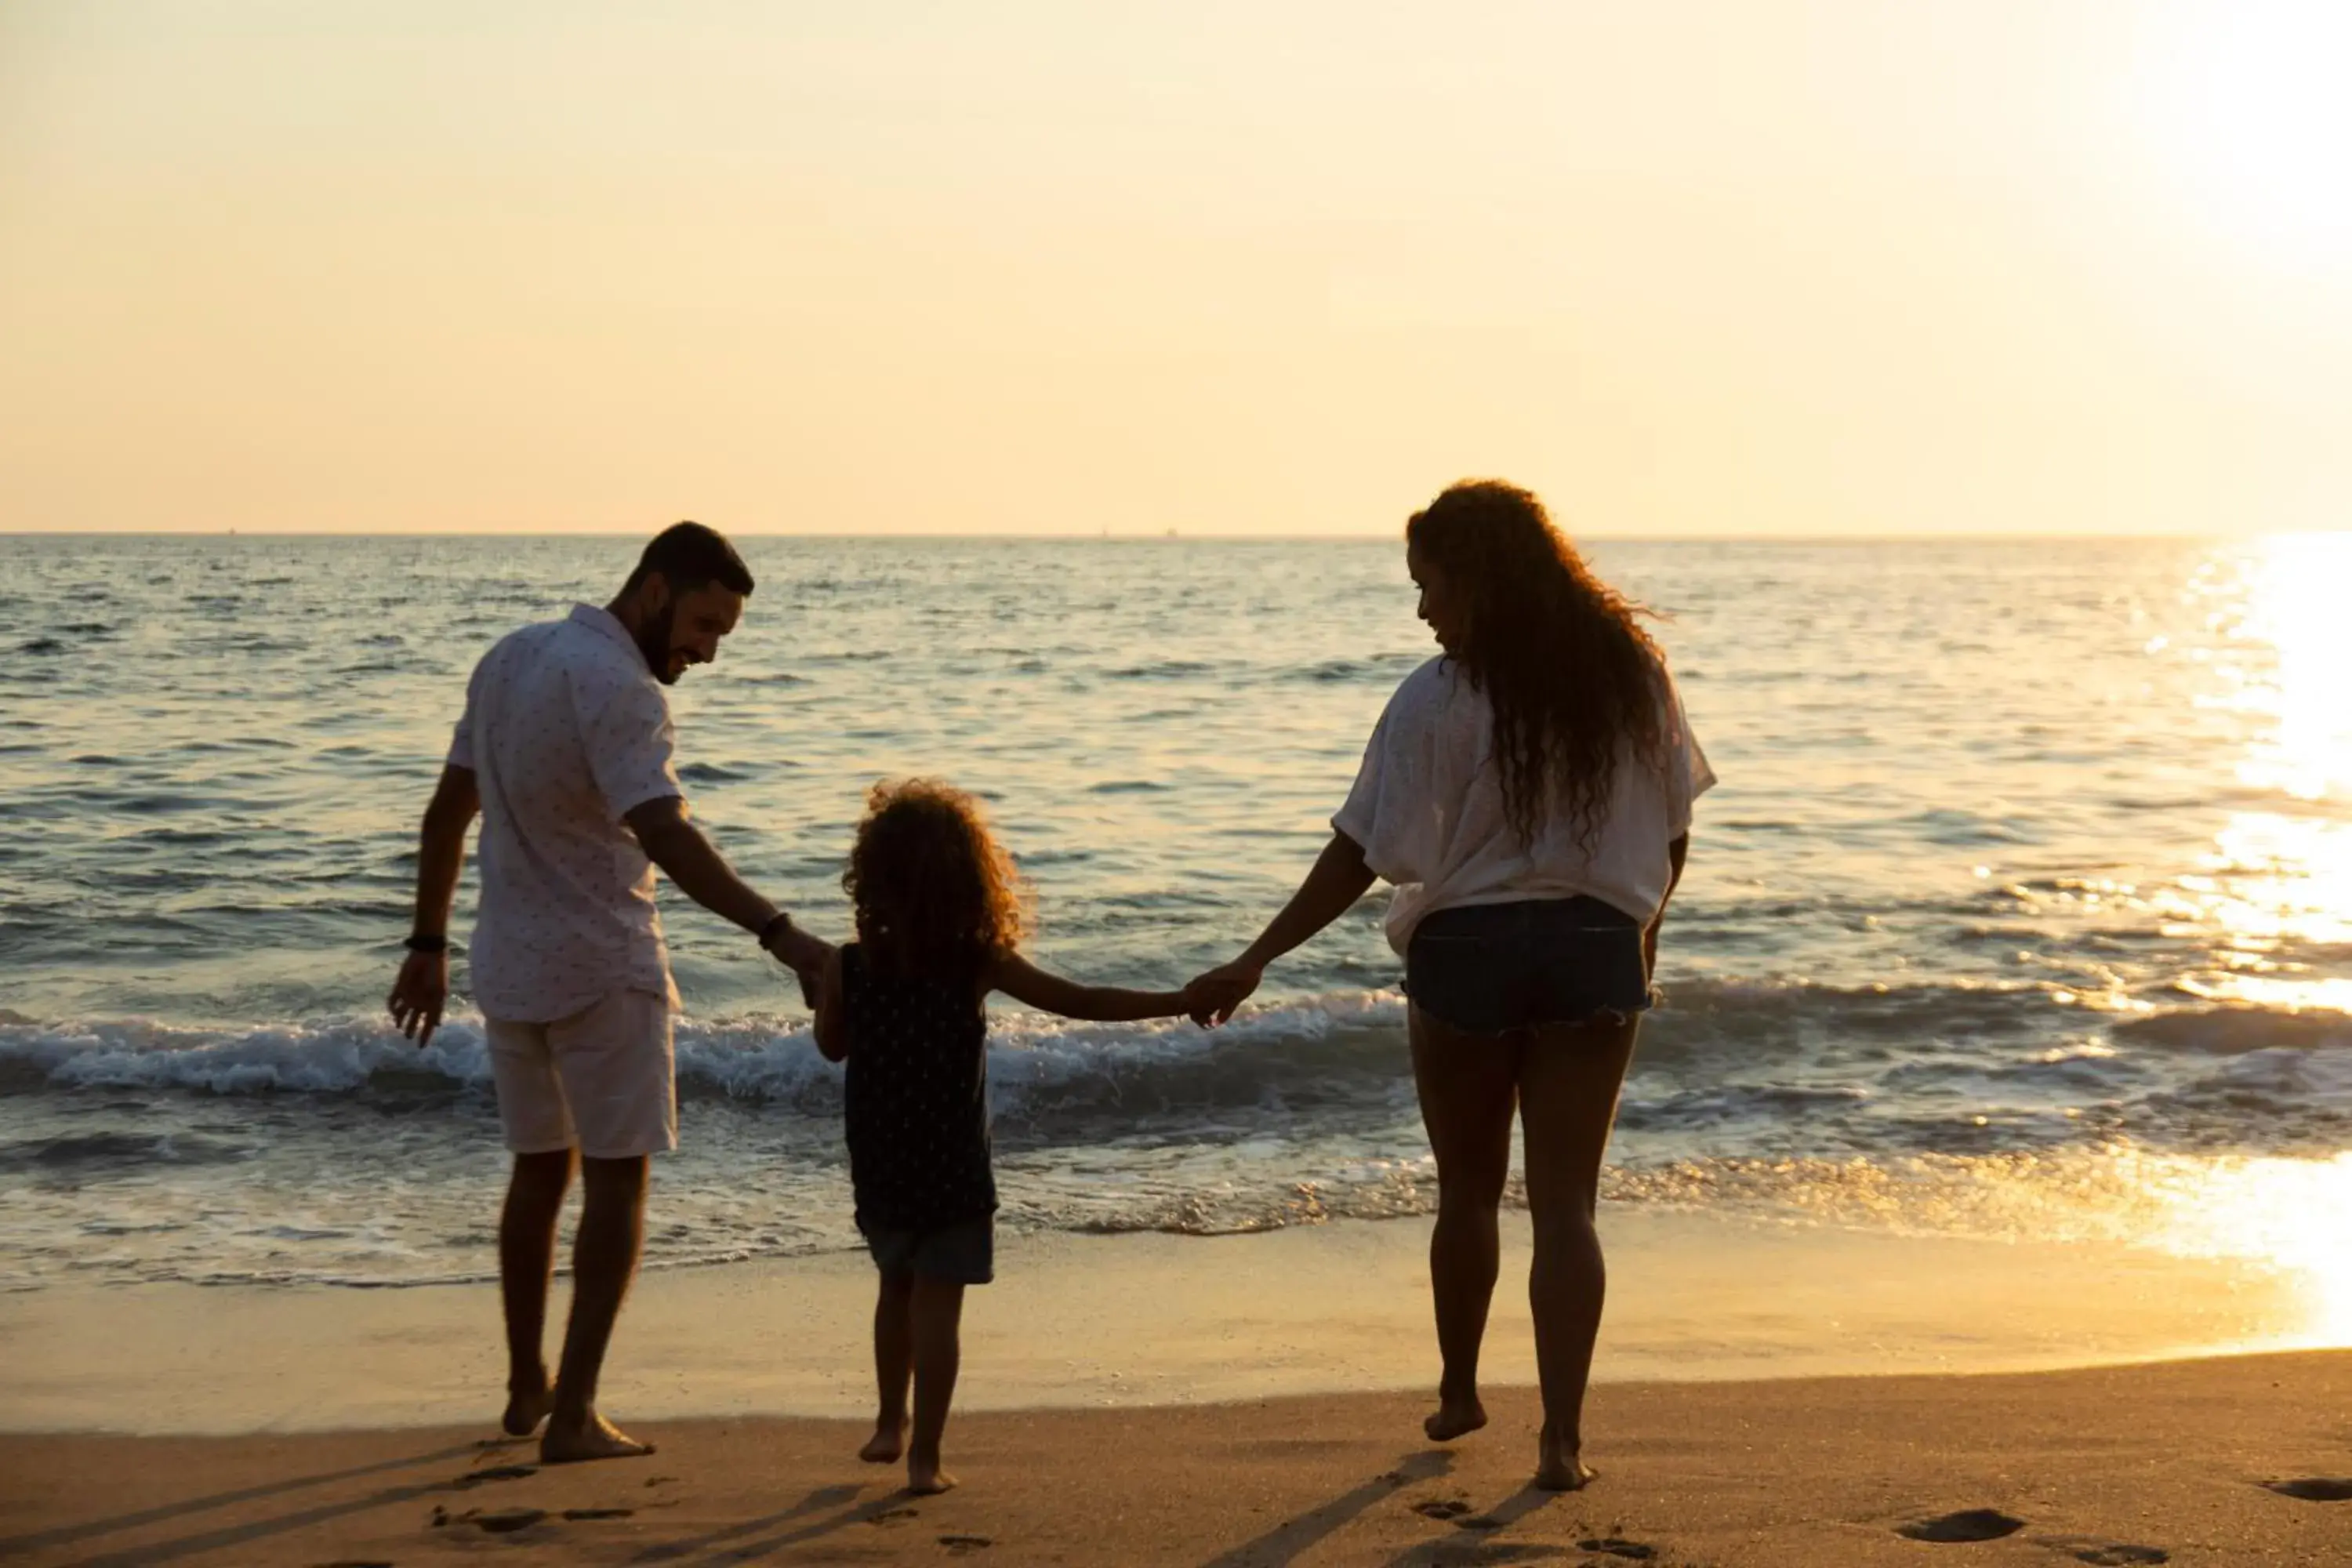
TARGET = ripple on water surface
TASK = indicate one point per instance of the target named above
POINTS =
(1981, 931)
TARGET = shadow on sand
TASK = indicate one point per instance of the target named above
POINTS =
(1471, 1543)
(823, 1498)
(237, 1534)
(1285, 1542)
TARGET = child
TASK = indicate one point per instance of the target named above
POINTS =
(938, 914)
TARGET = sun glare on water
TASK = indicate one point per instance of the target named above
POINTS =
(2280, 885)
(2302, 605)
(2283, 875)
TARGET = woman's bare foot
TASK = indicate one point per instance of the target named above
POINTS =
(1557, 1467)
(526, 1407)
(1454, 1417)
(570, 1442)
(926, 1478)
(889, 1440)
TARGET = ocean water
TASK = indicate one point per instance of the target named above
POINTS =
(2024, 906)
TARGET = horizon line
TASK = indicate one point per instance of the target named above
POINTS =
(1155, 536)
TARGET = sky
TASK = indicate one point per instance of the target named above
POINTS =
(1685, 267)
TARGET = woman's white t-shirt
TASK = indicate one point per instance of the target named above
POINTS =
(1427, 810)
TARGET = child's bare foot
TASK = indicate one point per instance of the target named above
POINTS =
(1454, 1417)
(889, 1440)
(1557, 1467)
(925, 1477)
(526, 1407)
(590, 1438)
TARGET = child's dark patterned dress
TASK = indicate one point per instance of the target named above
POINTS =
(915, 1103)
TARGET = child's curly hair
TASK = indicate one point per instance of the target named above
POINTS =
(934, 893)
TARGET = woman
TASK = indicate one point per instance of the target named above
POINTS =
(1529, 794)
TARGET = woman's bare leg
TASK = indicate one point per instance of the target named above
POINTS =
(1468, 1085)
(1569, 1081)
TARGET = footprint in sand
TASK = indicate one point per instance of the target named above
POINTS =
(890, 1516)
(1618, 1546)
(1968, 1524)
(507, 1520)
(495, 1473)
(2121, 1556)
(1441, 1507)
(958, 1545)
(2314, 1488)
(598, 1512)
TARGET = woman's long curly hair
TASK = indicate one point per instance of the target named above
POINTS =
(935, 896)
(1563, 657)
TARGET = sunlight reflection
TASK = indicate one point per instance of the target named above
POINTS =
(2270, 991)
(2288, 1215)
(2301, 604)
(2277, 885)
(2282, 879)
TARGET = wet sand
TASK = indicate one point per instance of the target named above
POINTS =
(2119, 1464)
(1141, 1320)
(1250, 1400)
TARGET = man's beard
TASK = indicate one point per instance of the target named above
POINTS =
(653, 641)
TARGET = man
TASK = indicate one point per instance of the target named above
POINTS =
(566, 750)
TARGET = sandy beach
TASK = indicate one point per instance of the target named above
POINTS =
(2180, 1462)
(1148, 1319)
(1242, 1400)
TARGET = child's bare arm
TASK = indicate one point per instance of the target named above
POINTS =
(832, 1025)
(1025, 982)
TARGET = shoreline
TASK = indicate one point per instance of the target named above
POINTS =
(1143, 1319)
(1767, 1396)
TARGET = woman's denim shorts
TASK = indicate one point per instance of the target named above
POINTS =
(1489, 969)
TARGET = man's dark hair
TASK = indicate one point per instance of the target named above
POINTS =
(691, 556)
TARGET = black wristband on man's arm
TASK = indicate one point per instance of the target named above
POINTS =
(779, 922)
(426, 942)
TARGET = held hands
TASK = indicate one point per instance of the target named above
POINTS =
(1210, 999)
(805, 956)
(419, 995)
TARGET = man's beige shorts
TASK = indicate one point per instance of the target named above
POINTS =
(604, 1079)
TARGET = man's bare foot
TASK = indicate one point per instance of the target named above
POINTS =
(527, 1407)
(889, 1440)
(1557, 1467)
(926, 1478)
(1454, 1417)
(570, 1442)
